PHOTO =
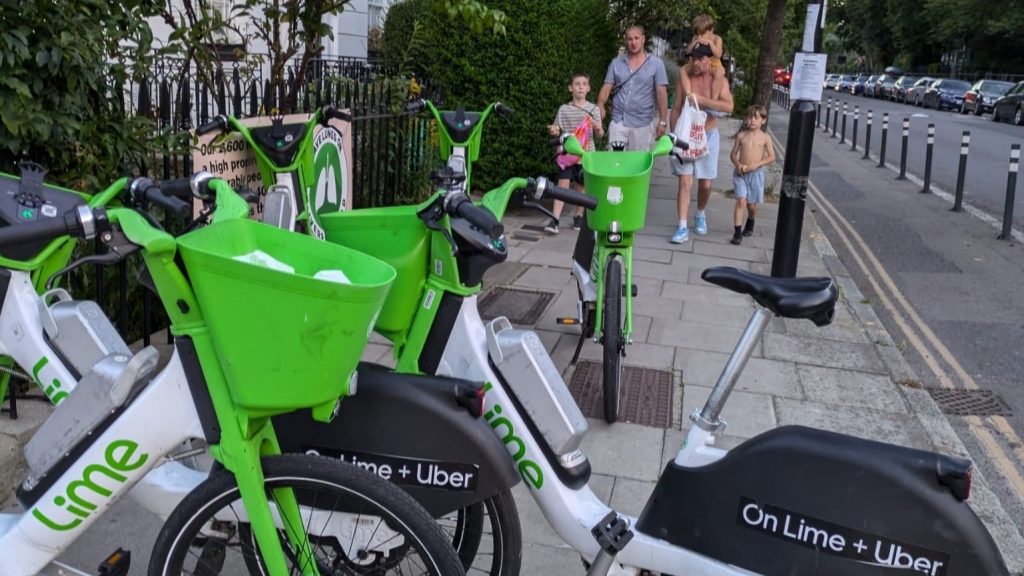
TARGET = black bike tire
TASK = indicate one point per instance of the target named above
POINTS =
(506, 535)
(219, 489)
(611, 338)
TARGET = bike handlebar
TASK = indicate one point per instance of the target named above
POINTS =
(503, 109)
(416, 105)
(461, 206)
(167, 195)
(219, 122)
(542, 187)
(79, 222)
(330, 112)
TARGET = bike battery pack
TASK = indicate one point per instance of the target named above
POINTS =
(79, 331)
(521, 358)
(107, 386)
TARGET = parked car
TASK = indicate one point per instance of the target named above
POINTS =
(858, 84)
(916, 91)
(828, 80)
(870, 83)
(783, 77)
(980, 97)
(945, 93)
(900, 87)
(1010, 106)
(884, 87)
(844, 83)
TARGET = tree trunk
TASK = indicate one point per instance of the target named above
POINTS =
(771, 38)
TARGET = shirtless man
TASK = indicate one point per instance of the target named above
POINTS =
(706, 168)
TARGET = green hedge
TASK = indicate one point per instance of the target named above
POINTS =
(528, 69)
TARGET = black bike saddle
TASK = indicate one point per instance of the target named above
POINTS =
(813, 298)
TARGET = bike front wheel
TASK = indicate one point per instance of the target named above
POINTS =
(356, 523)
(611, 338)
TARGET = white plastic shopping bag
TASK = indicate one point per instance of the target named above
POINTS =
(690, 129)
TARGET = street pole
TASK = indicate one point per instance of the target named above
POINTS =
(903, 150)
(885, 137)
(928, 160)
(856, 118)
(799, 143)
(965, 143)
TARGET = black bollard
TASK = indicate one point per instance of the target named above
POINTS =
(1011, 191)
(856, 118)
(828, 113)
(842, 136)
(835, 118)
(867, 137)
(817, 117)
(928, 160)
(903, 150)
(965, 142)
(885, 138)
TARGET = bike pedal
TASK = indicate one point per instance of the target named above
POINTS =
(116, 564)
(568, 321)
(612, 533)
(633, 291)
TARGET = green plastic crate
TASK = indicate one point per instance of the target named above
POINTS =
(284, 340)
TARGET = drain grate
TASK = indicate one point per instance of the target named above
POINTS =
(522, 307)
(969, 402)
(645, 397)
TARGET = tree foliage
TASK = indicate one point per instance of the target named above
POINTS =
(528, 68)
(916, 35)
(64, 67)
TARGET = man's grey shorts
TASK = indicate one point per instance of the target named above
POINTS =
(705, 168)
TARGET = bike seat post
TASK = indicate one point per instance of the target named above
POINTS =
(708, 417)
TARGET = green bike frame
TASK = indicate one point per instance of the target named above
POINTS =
(245, 437)
(620, 181)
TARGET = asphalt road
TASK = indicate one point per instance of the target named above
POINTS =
(963, 283)
(988, 158)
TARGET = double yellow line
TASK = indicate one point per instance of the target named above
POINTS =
(921, 337)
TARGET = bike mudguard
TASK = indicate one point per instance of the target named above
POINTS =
(413, 431)
(797, 500)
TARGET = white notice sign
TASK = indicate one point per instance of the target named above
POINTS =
(808, 76)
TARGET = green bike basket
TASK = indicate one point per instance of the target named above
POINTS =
(619, 181)
(284, 340)
(396, 235)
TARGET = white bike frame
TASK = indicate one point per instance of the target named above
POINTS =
(152, 426)
(129, 455)
(571, 512)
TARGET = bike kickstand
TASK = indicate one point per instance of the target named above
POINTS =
(579, 346)
(612, 534)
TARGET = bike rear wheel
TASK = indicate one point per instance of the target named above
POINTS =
(357, 524)
(611, 338)
(487, 536)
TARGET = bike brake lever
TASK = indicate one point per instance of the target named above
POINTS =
(119, 247)
(431, 217)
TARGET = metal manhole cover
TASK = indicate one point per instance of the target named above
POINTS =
(645, 397)
(522, 307)
(969, 402)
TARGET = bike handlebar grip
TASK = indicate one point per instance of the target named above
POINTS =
(178, 188)
(482, 218)
(218, 122)
(330, 112)
(44, 229)
(570, 196)
(504, 110)
(416, 105)
(176, 206)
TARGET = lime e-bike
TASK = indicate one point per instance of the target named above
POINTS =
(118, 419)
